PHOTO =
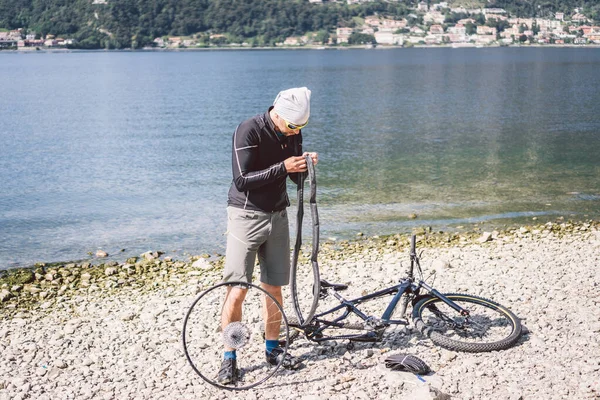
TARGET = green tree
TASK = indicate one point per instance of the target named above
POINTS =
(322, 36)
(361, 38)
(470, 28)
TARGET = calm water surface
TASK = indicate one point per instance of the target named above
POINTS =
(130, 151)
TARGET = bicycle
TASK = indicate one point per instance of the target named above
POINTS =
(459, 322)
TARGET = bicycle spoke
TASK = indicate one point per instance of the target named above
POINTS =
(488, 326)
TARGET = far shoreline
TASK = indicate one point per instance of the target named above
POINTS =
(300, 48)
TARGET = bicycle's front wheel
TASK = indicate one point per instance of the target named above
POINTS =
(488, 327)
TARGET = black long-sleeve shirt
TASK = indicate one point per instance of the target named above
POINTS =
(259, 175)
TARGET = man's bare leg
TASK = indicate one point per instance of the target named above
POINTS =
(271, 313)
(232, 307)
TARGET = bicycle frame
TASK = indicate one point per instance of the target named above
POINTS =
(374, 326)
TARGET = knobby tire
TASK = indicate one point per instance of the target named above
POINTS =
(439, 330)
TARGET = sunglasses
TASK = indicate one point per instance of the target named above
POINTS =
(294, 126)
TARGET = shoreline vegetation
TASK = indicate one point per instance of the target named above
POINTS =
(42, 286)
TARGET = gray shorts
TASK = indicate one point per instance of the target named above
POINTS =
(251, 233)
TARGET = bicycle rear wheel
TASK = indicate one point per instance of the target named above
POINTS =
(206, 336)
(488, 327)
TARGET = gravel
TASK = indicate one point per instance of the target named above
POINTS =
(124, 342)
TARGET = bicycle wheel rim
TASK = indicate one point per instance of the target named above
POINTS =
(204, 342)
(489, 327)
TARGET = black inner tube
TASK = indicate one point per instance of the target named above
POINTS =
(306, 319)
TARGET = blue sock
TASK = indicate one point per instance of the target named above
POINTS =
(271, 344)
(230, 355)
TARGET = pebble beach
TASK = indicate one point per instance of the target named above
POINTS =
(113, 330)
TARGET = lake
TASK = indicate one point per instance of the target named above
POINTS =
(131, 151)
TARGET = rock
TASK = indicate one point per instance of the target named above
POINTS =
(148, 256)
(128, 316)
(33, 289)
(485, 237)
(64, 272)
(440, 265)
(87, 362)
(101, 254)
(202, 264)
(86, 276)
(152, 255)
(412, 216)
(5, 295)
(110, 271)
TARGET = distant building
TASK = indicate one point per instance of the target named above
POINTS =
(559, 16)
(495, 11)
(486, 30)
(367, 30)
(457, 29)
(440, 5)
(292, 41)
(387, 36)
(435, 17)
(466, 21)
(377, 22)
(416, 30)
(579, 18)
(436, 30)
(343, 34)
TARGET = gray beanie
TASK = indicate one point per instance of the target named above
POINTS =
(293, 105)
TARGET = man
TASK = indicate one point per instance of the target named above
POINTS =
(267, 148)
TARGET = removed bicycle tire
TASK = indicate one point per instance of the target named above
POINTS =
(407, 363)
(489, 327)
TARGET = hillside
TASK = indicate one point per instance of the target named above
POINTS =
(136, 23)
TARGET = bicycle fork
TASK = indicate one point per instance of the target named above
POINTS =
(435, 293)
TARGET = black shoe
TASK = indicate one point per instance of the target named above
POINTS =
(289, 362)
(228, 372)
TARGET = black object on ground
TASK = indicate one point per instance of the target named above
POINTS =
(407, 363)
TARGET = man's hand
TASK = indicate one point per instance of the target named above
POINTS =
(314, 156)
(295, 164)
(298, 163)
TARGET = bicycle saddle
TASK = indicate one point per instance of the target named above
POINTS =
(407, 363)
(335, 286)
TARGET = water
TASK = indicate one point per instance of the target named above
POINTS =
(130, 151)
